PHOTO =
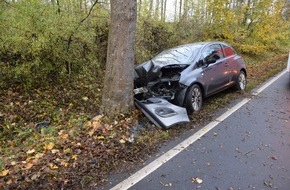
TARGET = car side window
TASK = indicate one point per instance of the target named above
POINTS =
(228, 51)
(212, 51)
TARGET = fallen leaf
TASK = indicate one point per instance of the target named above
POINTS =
(30, 151)
(13, 163)
(39, 155)
(53, 166)
(28, 166)
(35, 176)
(274, 158)
(64, 136)
(49, 146)
(168, 185)
(28, 159)
(4, 173)
(96, 125)
(85, 98)
(9, 182)
(75, 157)
(98, 118)
(91, 133)
(268, 184)
(196, 180)
(63, 163)
(88, 124)
(100, 137)
(67, 151)
(54, 151)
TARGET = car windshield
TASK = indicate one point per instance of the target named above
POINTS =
(181, 54)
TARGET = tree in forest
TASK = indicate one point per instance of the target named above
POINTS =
(118, 84)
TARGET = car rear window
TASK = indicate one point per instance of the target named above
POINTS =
(228, 51)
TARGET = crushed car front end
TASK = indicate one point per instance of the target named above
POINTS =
(154, 81)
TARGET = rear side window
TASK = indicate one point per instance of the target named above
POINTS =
(228, 51)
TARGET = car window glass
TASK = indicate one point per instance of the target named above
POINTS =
(211, 51)
(182, 54)
(228, 50)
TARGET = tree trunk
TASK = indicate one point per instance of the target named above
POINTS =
(157, 8)
(175, 11)
(162, 3)
(164, 10)
(180, 10)
(140, 7)
(118, 84)
(151, 9)
(185, 10)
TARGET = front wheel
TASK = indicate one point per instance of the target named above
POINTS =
(193, 99)
(241, 81)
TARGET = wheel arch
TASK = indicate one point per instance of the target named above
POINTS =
(200, 86)
(244, 70)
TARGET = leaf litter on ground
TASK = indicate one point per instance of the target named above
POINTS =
(79, 148)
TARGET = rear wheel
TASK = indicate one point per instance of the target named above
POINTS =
(242, 81)
(193, 99)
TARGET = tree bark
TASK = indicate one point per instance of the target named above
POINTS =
(180, 10)
(185, 10)
(157, 8)
(118, 84)
(151, 9)
(175, 11)
(162, 6)
(164, 10)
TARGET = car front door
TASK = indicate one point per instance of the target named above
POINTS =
(215, 70)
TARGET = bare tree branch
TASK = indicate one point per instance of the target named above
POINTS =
(76, 29)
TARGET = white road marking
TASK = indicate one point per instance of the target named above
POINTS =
(268, 83)
(145, 171)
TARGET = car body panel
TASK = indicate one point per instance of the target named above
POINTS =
(288, 65)
(162, 113)
(214, 66)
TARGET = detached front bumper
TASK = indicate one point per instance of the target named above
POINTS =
(162, 113)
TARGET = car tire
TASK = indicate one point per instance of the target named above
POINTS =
(193, 99)
(241, 82)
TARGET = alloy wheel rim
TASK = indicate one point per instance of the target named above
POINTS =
(196, 99)
(242, 81)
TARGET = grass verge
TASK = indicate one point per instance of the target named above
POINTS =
(79, 148)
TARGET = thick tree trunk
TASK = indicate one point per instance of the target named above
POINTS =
(118, 85)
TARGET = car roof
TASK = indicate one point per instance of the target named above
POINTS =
(204, 43)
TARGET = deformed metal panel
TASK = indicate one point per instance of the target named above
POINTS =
(162, 113)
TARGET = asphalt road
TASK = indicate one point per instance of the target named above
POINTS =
(250, 149)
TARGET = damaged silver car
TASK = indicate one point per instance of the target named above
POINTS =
(182, 77)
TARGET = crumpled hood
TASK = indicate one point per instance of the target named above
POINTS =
(150, 70)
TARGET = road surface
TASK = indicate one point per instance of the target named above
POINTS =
(248, 149)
